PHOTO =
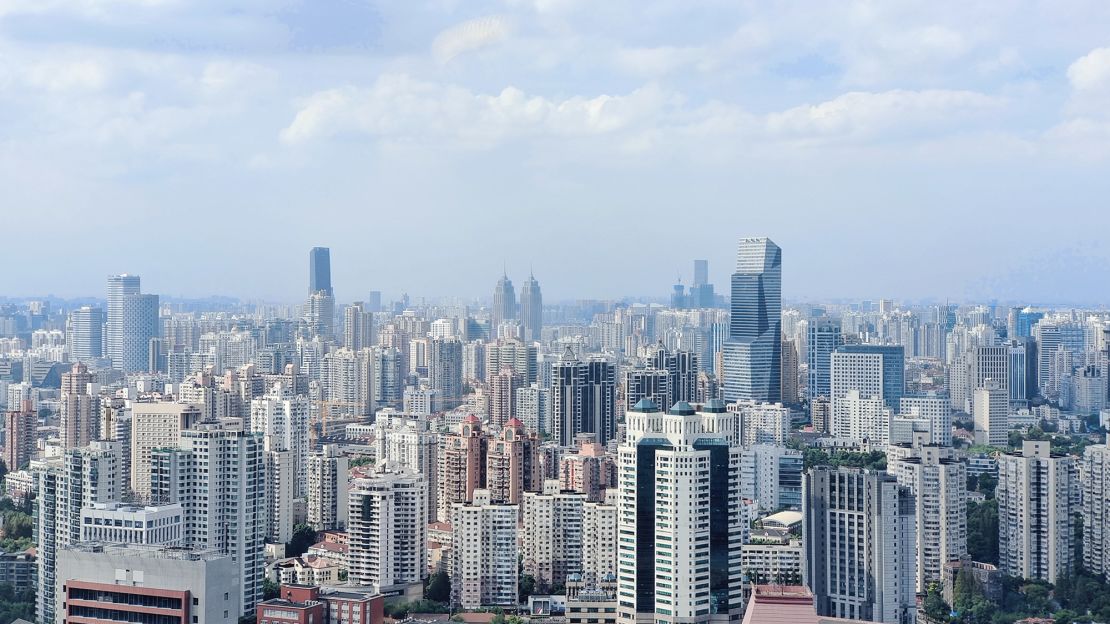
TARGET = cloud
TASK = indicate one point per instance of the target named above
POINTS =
(864, 114)
(58, 75)
(1091, 72)
(469, 36)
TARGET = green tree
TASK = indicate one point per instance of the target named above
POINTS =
(527, 587)
(270, 589)
(304, 536)
(982, 531)
(439, 587)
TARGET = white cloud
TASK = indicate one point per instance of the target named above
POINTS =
(67, 75)
(863, 114)
(468, 36)
(1091, 72)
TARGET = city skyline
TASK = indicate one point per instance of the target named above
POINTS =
(893, 149)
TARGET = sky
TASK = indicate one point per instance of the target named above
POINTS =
(949, 150)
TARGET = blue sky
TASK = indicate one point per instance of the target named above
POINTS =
(951, 149)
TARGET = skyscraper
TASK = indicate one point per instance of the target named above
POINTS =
(859, 545)
(387, 530)
(85, 334)
(119, 286)
(139, 325)
(504, 304)
(888, 381)
(678, 510)
(752, 354)
(1096, 509)
(319, 271)
(531, 308)
(824, 338)
(19, 437)
(445, 369)
(358, 327)
(584, 396)
(701, 292)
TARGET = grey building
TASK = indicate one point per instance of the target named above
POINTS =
(752, 354)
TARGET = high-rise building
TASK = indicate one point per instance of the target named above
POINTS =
(280, 483)
(823, 339)
(319, 315)
(859, 545)
(679, 554)
(584, 396)
(85, 334)
(874, 370)
(139, 326)
(701, 293)
(445, 369)
(348, 381)
(66, 485)
(319, 271)
(761, 423)
(990, 412)
(1035, 506)
(861, 418)
(504, 304)
(484, 551)
(682, 374)
(462, 465)
(938, 481)
(934, 409)
(387, 530)
(19, 436)
(119, 286)
(282, 417)
(154, 426)
(533, 408)
(512, 464)
(1095, 474)
(512, 354)
(531, 308)
(502, 404)
(358, 327)
(551, 542)
(752, 354)
(327, 489)
(989, 362)
(217, 473)
(646, 383)
(789, 392)
(80, 405)
(772, 477)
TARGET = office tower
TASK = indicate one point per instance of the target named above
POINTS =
(990, 362)
(319, 271)
(80, 408)
(1023, 322)
(762, 423)
(111, 582)
(646, 383)
(445, 369)
(66, 485)
(752, 356)
(119, 286)
(217, 473)
(672, 465)
(504, 304)
(531, 309)
(512, 354)
(701, 292)
(503, 387)
(154, 426)
(387, 530)
(859, 373)
(1089, 395)
(19, 436)
(348, 380)
(1035, 506)
(327, 489)
(283, 418)
(319, 315)
(990, 412)
(584, 398)
(1021, 369)
(484, 551)
(374, 301)
(822, 340)
(358, 327)
(85, 334)
(682, 374)
(533, 408)
(789, 392)
(1095, 474)
(388, 376)
(462, 465)
(512, 464)
(551, 542)
(1048, 339)
(138, 326)
(933, 409)
(772, 477)
(859, 541)
(937, 479)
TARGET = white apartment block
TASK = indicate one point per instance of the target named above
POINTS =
(552, 534)
(1095, 473)
(387, 529)
(328, 484)
(1036, 495)
(282, 418)
(484, 548)
(991, 412)
(934, 409)
(156, 425)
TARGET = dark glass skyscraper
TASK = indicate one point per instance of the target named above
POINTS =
(319, 271)
(753, 352)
